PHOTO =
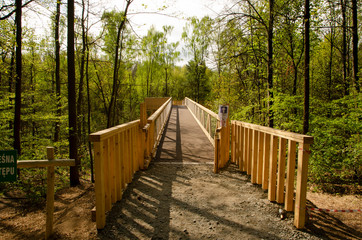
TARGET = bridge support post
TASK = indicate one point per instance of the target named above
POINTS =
(143, 143)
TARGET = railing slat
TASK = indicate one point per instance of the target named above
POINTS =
(300, 199)
(112, 171)
(255, 151)
(266, 161)
(99, 185)
(281, 170)
(273, 168)
(289, 196)
(260, 158)
(241, 148)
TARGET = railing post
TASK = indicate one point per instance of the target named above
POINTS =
(301, 196)
(217, 150)
(99, 185)
(142, 140)
(50, 194)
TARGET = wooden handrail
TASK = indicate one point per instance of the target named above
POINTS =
(109, 132)
(203, 108)
(261, 152)
(122, 150)
(156, 114)
(276, 132)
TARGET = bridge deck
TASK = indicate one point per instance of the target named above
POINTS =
(183, 140)
(188, 201)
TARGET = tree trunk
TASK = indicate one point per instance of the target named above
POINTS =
(73, 145)
(17, 125)
(270, 62)
(81, 78)
(306, 67)
(57, 71)
(116, 67)
(344, 47)
(355, 44)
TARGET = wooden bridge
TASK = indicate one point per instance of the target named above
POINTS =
(175, 132)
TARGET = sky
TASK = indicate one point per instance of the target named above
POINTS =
(142, 15)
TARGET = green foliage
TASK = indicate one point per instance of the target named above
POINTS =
(337, 150)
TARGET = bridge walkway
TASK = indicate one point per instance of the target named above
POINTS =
(179, 196)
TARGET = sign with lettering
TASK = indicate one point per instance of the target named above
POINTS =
(223, 114)
(8, 165)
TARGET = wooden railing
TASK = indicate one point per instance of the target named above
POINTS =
(210, 124)
(154, 128)
(262, 153)
(121, 151)
(207, 119)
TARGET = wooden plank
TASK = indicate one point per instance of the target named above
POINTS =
(233, 143)
(266, 161)
(143, 115)
(241, 148)
(154, 103)
(117, 167)
(44, 163)
(107, 186)
(289, 196)
(127, 165)
(156, 114)
(208, 135)
(276, 132)
(246, 149)
(259, 179)
(50, 195)
(106, 133)
(112, 169)
(99, 185)
(273, 168)
(237, 145)
(301, 196)
(195, 104)
(255, 151)
(250, 156)
(281, 170)
(216, 153)
(123, 159)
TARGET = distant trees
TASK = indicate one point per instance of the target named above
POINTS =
(254, 57)
(196, 35)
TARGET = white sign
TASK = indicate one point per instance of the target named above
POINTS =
(223, 114)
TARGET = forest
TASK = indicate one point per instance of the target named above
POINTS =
(288, 64)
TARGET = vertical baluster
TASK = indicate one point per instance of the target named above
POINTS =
(273, 168)
(246, 149)
(281, 170)
(290, 176)
(254, 165)
(236, 144)
(112, 172)
(300, 199)
(107, 187)
(122, 159)
(129, 156)
(250, 156)
(233, 143)
(241, 148)
(266, 161)
(117, 167)
(99, 184)
(260, 158)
